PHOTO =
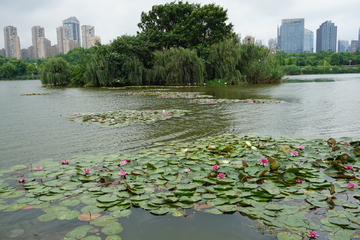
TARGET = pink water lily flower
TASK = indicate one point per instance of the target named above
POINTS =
(21, 180)
(86, 170)
(350, 185)
(347, 143)
(264, 161)
(122, 163)
(313, 234)
(63, 162)
(301, 147)
(76, 114)
(347, 154)
(294, 153)
(221, 175)
(93, 120)
(128, 160)
(348, 167)
(37, 168)
(215, 167)
(187, 170)
(299, 180)
(122, 173)
(100, 120)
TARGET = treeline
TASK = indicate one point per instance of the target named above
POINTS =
(179, 44)
(319, 63)
(11, 68)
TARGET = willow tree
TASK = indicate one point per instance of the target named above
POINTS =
(224, 60)
(55, 71)
(178, 66)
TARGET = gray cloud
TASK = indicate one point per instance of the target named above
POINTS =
(113, 18)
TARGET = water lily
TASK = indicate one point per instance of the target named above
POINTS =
(122, 163)
(264, 161)
(86, 170)
(301, 147)
(215, 167)
(225, 161)
(294, 153)
(248, 143)
(187, 170)
(350, 185)
(76, 114)
(221, 175)
(100, 120)
(347, 143)
(64, 162)
(37, 168)
(112, 120)
(21, 180)
(128, 160)
(348, 167)
(313, 234)
(347, 154)
(109, 111)
(253, 148)
(299, 180)
(164, 114)
(122, 173)
(93, 120)
(168, 112)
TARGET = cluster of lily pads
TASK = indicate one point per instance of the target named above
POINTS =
(261, 101)
(214, 101)
(294, 187)
(32, 94)
(127, 117)
(169, 94)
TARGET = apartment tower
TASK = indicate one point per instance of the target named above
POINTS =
(9, 31)
(37, 32)
(94, 40)
(62, 34)
(87, 32)
(291, 35)
(309, 41)
(326, 36)
(74, 26)
(15, 50)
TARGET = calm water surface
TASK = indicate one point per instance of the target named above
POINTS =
(37, 127)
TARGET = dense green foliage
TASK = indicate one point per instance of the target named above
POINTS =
(55, 71)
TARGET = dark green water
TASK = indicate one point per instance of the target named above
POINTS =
(37, 127)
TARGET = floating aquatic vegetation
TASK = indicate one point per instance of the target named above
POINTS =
(255, 176)
(214, 101)
(33, 94)
(127, 117)
(262, 101)
(170, 94)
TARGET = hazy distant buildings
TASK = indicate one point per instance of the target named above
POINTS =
(249, 40)
(326, 36)
(9, 32)
(354, 45)
(272, 45)
(258, 43)
(24, 53)
(54, 50)
(15, 50)
(87, 32)
(74, 26)
(94, 40)
(308, 41)
(62, 33)
(44, 47)
(30, 53)
(70, 44)
(37, 32)
(343, 45)
(2, 52)
(291, 35)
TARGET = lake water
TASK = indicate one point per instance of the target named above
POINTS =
(37, 127)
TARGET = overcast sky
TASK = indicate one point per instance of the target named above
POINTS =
(113, 18)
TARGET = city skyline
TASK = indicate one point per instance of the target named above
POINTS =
(115, 18)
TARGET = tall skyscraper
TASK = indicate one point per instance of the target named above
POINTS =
(87, 32)
(354, 45)
(291, 35)
(37, 32)
(15, 50)
(62, 34)
(9, 31)
(343, 45)
(74, 26)
(326, 36)
(309, 41)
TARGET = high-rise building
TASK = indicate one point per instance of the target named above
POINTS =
(94, 40)
(2, 52)
(249, 40)
(31, 52)
(24, 53)
(326, 36)
(354, 45)
(54, 50)
(74, 26)
(62, 34)
(9, 31)
(258, 43)
(44, 47)
(15, 50)
(87, 32)
(343, 45)
(309, 41)
(70, 44)
(37, 32)
(359, 36)
(291, 35)
(272, 45)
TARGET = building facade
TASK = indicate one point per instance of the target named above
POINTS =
(15, 50)
(343, 45)
(94, 40)
(54, 50)
(37, 32)
(9, 31)
(70, 44)
(62, 34)
(87, 32)
(309, 41)
(354, 45)
(74, 26)
(2, 52)
(24, 53)
(272, 45)
(31, 52)
(258, 43)
(291, 35)
(326, 36)
(249, 40)
(44, 47)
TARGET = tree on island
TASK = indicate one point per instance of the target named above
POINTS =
(55, 71)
